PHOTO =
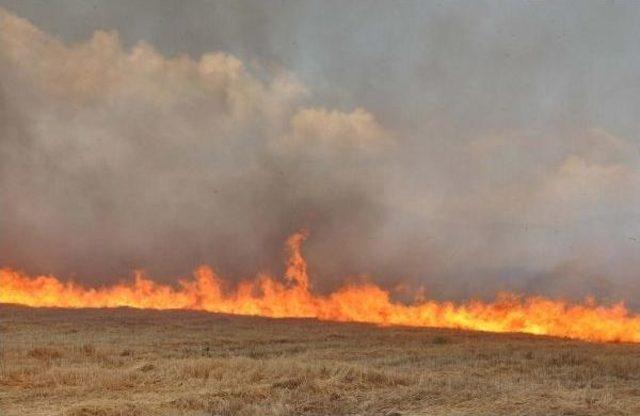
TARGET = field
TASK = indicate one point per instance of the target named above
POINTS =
(130, 362)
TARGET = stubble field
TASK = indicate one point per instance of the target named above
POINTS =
(130, 362)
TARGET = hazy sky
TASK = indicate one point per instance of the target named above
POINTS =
(465, 146)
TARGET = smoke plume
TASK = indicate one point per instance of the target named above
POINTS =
(117, 156)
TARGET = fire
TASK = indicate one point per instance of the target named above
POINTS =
(292, 297)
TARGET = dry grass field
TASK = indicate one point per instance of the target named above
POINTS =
(130, 362)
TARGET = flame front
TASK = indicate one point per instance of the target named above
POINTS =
(266, 296)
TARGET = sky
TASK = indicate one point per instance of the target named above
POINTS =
(463, 148)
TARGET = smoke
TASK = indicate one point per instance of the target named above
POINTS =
(132, 159)
(116, 156)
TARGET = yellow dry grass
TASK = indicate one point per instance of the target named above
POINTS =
(127, 362)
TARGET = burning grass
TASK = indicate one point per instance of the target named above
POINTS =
(133, 362)
(292, 297)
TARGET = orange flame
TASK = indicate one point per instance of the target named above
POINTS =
(266, 296)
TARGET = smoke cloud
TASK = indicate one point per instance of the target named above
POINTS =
(116, 155)
(114, 159)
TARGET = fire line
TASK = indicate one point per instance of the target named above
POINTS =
(292, 297)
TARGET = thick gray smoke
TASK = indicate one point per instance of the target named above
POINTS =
(466, 149)
(114, 159)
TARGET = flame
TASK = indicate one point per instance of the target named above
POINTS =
(292, 297)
